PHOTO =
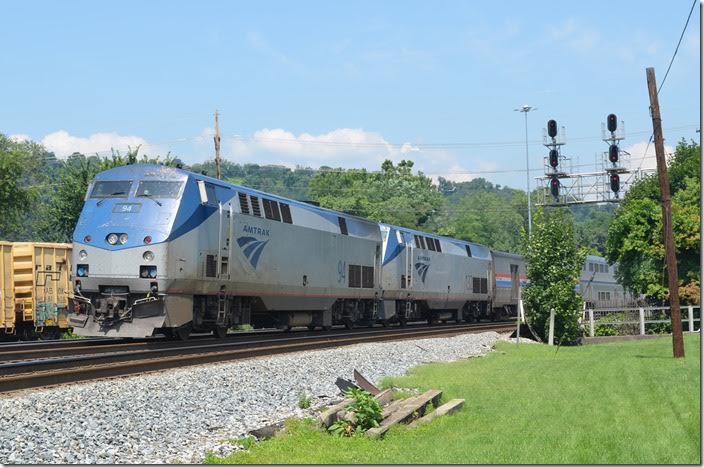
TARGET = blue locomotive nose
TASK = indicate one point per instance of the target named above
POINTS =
(130, 206)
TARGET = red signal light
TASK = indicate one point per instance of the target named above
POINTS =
(613, 153)
(611, 122)
(554, 160)
(552, 128)
(615, 183)
(555, 187)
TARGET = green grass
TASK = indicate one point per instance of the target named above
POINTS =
(612, 403)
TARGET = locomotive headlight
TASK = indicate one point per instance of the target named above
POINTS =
(148, 256)
(123, 238)
(112, 239)
(82, 271)
(147, 271)
(82, 254)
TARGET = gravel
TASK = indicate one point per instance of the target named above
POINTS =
(180, 415)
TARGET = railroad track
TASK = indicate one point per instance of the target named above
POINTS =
(80, 363)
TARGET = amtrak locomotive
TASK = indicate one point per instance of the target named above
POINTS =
(163, 250)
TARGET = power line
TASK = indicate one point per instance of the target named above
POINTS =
(678, 46)
(650, 140)
(441, 145)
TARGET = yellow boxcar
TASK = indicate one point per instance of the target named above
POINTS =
(35, 285)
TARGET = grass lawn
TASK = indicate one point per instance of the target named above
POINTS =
(626, 402)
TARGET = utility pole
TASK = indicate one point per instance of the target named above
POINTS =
(216, 139)
(671, 261)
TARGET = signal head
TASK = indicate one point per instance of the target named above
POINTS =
(613, 153)
(615, 183)
(552, 128)
(611, 122)
(555, 187)
(554, 158)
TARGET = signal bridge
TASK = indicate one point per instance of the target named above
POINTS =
(560, 187)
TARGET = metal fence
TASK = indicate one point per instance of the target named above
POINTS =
(637, 320)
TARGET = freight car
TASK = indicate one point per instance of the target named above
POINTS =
(34, 289)
(162, 250)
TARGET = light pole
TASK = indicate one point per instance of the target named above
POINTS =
(525, 109)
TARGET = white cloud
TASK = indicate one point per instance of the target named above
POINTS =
(343, 147)
(63, 144)
(20, 137)
(640, 159)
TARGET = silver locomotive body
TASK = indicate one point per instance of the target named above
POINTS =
(430, 277)
(203, 255)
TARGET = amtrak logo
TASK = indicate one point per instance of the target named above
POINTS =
(422, 269)
(252, 248)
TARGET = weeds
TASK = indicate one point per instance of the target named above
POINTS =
(366, 413)
(304, 401)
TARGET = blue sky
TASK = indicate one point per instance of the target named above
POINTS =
(347, 84)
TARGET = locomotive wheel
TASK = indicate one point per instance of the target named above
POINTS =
(348, 324)
(385, 323)
(402, 321)
(327, 328)
(288, 329)
(182, 333)
(220, 332)
(311, 327)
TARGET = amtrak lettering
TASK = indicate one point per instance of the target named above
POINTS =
(423, 258)
(255, 230)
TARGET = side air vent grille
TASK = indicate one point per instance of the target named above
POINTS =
(256, 210)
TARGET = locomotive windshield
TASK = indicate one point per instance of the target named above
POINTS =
(158, 189)
(111, 188)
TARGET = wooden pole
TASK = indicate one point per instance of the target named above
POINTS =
(216, 139)
(670, 259)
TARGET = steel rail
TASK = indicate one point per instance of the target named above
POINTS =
(40, 373)
(78, 347)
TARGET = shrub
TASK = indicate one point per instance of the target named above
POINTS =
(611, 325)
(554, 266)
(366, 413)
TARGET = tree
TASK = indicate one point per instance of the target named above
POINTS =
(635, 235)
(66, 201)
(394, 195)
(554, 267)
(16, 195)
(485, 218)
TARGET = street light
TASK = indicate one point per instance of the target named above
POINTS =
(525, 109)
